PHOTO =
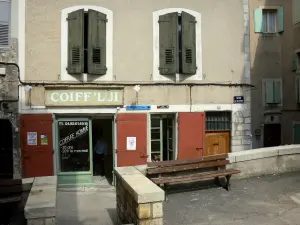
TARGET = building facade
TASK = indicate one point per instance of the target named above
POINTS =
(160, 81)
(10, 164)
(274, 68)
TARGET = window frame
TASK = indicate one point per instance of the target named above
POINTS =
(6, 48)
(156, 76)
(64, 75)
(268, 11)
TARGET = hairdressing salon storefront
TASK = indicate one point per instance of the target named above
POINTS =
(60, 138)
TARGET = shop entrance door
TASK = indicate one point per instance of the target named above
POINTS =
(74, 151)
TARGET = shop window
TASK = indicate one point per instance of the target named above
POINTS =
(162, 137)
(218, 121)
(74, 146)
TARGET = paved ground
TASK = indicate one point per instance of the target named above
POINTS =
(270, 200)
(87, 207)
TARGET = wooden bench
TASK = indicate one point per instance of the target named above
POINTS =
(10, 190)
(167, 172)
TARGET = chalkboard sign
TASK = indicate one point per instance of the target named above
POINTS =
(74, 146)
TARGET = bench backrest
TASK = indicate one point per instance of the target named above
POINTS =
(188, 164)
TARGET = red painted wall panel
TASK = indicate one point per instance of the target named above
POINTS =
(37, 160)
(132, 125)
(191, 134)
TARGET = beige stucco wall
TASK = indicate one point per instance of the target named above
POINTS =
(222, 46)
(271, 57)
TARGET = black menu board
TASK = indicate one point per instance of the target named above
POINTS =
(74, 146)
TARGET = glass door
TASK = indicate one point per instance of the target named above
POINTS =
(74, 141)
(156, 139)
(171, 155)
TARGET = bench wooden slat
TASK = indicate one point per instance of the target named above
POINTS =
(7, 190)
(188, 161)
(8, 182)
(194, 177)
(170, 169)
(9, 199)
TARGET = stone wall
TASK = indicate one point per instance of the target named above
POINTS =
(9, 91)
(139, 200)
(264, 161)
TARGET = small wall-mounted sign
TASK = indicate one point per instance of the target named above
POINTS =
(238, 99)
(138, 107)
(162, 107)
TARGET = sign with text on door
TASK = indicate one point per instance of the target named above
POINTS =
(83, 97)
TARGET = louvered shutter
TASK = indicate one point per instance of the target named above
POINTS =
(97, 43)
(188, 44)
(76, 42)
(269, 91)
(280, 19)
(258, 20)
(5, 12)
(277, 91)
(168, 44)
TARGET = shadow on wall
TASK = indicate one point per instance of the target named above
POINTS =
(271, 51)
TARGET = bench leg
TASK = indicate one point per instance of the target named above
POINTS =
(165, 189)
(227, 182)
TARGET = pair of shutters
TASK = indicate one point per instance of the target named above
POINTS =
(258, 20)
(170, 57)
(96, 39)
(272, 91)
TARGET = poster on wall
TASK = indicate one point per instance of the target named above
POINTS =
(131, 143)
(31, 138)
(74, 146)
(44, 139)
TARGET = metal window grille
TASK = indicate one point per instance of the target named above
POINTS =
(218, 121)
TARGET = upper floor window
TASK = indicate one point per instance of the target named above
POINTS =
(86, 42)
(296, 11)
(272, 89)
(268, 20)
(177, 44)
(5, 23)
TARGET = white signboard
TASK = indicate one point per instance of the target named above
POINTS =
(31, 138)
(131, 143)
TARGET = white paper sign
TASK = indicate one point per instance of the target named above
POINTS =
(31, 138)
(131, 143)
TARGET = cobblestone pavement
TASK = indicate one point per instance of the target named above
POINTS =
(269, 200)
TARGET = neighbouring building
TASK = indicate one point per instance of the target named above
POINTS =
(159, 80)
(274, 68)
(10, 164)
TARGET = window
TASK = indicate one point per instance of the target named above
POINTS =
(177, 45)
(5, 11)
(296, 11)
(86, 44)
(298, 89)
(272, 91)
(162, 138)
(216, 121)
(268, 20)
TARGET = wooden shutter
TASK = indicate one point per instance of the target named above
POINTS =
(5, 9)
(97, 43)
(76, 42)
(269, 91)
(298, 89)
(168, 44)
(277, 91)
(188, 44)
(258, 20)
(296, 11)
(280, 20)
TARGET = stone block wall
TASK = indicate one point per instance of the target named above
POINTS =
(139, 201)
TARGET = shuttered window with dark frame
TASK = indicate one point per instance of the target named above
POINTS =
(5, 14)
(177, 44)
(87, 42)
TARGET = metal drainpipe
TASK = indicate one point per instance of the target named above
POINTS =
(115, 164)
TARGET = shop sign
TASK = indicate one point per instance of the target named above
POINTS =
(83, 97)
